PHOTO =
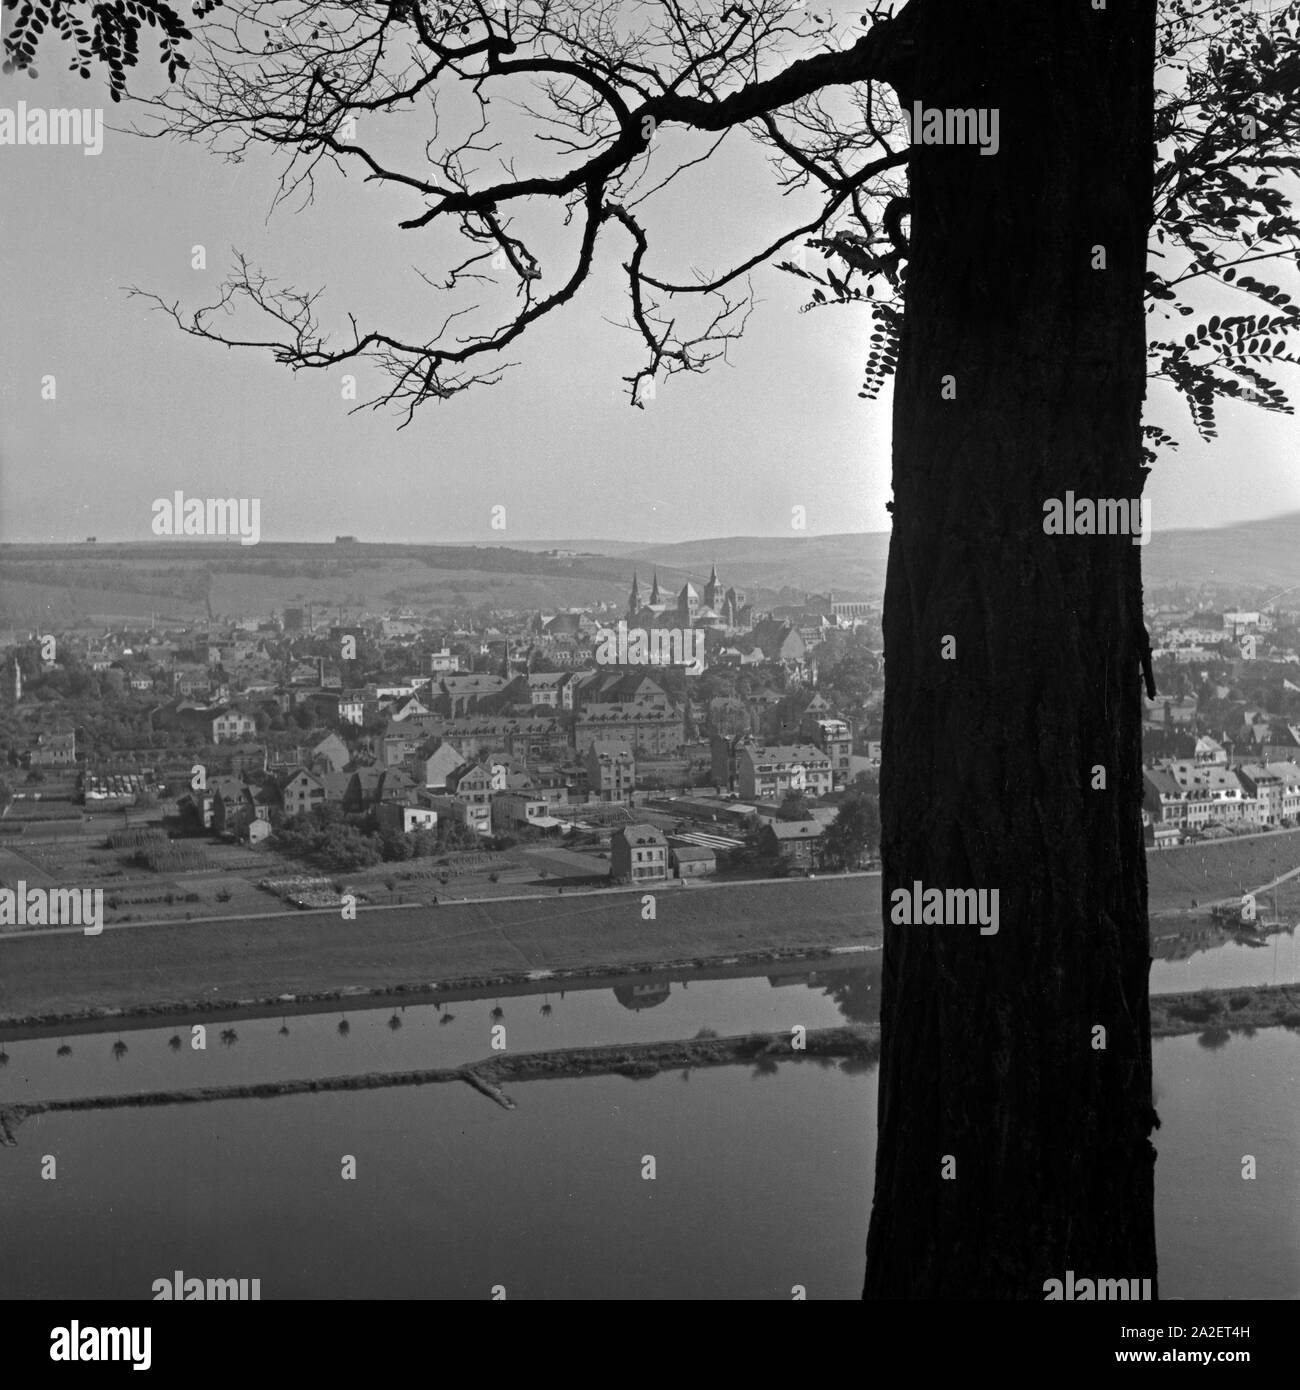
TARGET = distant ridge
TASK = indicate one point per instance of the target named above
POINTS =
(176, 579)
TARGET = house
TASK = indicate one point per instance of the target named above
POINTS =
(406, 820)
(1208, 750)
(477, 816)
(514, 808)
(835, 739)
(409, 707)
(300, 792)
(401, 741)
(355, 707)
(55, 750)
(780, 641)
(255, 832)
(692, 861)
(433, 768)
(335, 785)
(611, 770)
(792, 840)
(1211, 792)
(472, 783)
(232, 813)
(457, 695)
(1277, 788)
(638, 854)
(443, 663)
(329, 755)
(546, 688)
(395, 785)
(230, 726)
(1163, 801)
(767, 773)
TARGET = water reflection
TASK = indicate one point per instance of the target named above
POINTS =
(455, 1028)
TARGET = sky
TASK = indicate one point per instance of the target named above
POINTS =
(142, 410)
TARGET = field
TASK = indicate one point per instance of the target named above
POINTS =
(216, 964)
(1216, 871)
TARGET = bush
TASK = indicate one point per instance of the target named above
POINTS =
(1238, 1001)
(1194, 1011)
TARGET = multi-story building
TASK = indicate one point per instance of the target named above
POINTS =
(647, 727)
(1211, 792)
(767, 773)
(835, 739)
(443, 662)
(611, 770)
(301, 792)
(638, 854)
(55, 750)
(229, 726)
(1277, 788)
(793, 840)
(546, 688)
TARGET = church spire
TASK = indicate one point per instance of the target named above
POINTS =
(634, 599)
(654, 589)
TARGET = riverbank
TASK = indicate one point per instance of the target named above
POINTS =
(316, 956)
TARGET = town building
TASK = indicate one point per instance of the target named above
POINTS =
(638, 854)
(767, 773)
(611, 770)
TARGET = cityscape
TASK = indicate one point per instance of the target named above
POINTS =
(649, 653)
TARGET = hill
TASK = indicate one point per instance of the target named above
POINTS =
(179, 580)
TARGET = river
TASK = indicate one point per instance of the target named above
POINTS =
(761, 1179)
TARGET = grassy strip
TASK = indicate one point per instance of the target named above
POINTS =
(635, 1060)
(1225, 1010)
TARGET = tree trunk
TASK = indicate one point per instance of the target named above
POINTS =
(1013, 1146)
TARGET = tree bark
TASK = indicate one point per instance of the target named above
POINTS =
(989, 1050)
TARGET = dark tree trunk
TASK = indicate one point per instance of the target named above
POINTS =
(988, 760)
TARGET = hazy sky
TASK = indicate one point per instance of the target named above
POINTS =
(142, 410)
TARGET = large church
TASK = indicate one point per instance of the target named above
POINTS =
(713, 607)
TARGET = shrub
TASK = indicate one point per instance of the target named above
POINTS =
(1194, 1011)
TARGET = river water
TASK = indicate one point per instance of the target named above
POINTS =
(761, 1180)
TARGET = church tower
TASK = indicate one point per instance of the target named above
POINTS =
(634, 599)
(713, 590)
(654, 590)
